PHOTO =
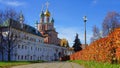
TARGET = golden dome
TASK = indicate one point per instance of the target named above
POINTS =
(47, 13)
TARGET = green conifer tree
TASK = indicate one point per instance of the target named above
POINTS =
(77, 44)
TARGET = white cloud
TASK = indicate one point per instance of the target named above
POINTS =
(69, 33)
(12, 3)
(94, 2)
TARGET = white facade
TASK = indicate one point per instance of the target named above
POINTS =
(31, 47)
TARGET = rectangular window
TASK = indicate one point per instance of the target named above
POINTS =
(18, 57)
(38, 49)
(22, 57)
(18, 46)
(22, 46)
(25, 47)
(31, 48)
(25, 57)
(31, 57)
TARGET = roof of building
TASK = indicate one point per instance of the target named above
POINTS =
(42, 14)
(21, 26)
(52, 20)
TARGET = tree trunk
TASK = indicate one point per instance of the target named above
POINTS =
(9, 56)
(2, 56)
(9, 51)
(2, 50)
(9, 44)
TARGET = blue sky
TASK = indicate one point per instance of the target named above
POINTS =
(68, 14)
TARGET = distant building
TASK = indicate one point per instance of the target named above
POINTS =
(64, 43)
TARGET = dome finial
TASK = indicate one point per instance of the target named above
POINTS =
(47, 13)
(47, 4)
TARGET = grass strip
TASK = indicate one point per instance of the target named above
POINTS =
(15, 63)
(93, 64)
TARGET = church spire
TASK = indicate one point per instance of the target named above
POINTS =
(42, 15)
(47, 13)
(21, 18)
(52, 20)
(36, 24)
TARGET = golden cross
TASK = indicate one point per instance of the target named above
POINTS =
(47, 4)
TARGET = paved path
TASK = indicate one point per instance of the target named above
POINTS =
(51, 65)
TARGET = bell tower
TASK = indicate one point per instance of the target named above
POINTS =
(46, 27)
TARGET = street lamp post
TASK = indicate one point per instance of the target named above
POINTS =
(85, 20)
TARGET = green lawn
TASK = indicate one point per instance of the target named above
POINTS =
(93, 64)
(15, 63)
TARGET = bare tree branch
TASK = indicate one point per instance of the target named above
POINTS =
(96, 33)
(110, 22)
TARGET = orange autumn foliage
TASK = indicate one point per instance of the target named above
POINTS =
(106, 49)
